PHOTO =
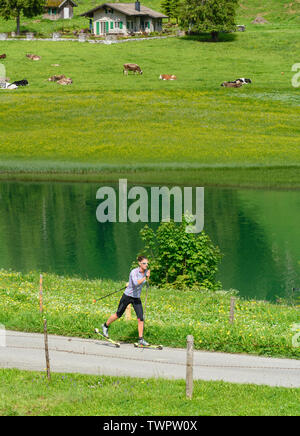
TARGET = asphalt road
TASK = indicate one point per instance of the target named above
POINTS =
(91, 356)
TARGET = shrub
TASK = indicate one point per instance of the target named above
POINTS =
(180, 258)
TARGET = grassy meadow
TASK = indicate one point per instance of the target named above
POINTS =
(274, 11)
(260, 327)
(24, 393)
(105, 119)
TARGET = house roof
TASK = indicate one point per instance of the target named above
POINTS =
(58, 3)
(127, 9)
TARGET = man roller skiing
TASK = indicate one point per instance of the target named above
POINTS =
(137, 279)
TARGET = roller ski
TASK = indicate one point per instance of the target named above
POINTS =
(104, 335)
(144, 344)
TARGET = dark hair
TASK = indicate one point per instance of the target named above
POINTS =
(140, 258)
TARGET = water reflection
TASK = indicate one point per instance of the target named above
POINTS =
(53, 227)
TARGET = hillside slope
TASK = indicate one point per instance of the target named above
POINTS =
(274, 11)
(271, 10)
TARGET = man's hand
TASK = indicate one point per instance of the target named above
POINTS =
(148, 274)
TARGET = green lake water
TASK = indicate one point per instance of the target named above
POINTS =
(52, 227)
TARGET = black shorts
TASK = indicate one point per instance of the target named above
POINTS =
(137, 305)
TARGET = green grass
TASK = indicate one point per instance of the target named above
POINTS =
(260, 327)
(29, 393)
(270, 177)
(277, 12)
(109, 122)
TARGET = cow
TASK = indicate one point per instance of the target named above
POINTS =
(65, 81)
(55, 78)
(3, 56)
(11, 86)
(33, 57)
(232, 84)
(18, 83)
(238, 82)
(244, 81)
(167, 77)
(132, 67)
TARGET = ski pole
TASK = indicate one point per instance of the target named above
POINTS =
(147, 285)
(119, 290)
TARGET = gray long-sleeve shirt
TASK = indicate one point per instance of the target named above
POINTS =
(134, 289)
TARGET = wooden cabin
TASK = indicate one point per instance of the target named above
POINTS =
(124, 19)
(59, 9)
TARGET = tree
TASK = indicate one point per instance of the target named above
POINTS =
(209, 16)
(15, 8)
(179, 258)
(166, 6)
(175, 9)
(171, 8)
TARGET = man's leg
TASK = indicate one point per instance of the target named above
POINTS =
(137, 305)
(111, 319)
(140, 328)
(125, 300)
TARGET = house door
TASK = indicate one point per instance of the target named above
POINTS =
(104, 27)
(66, 13)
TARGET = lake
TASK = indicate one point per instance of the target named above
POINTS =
(52, 227)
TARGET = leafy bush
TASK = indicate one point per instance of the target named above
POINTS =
(180, 258)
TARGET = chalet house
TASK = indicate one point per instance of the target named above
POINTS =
(124, 19)
(59, 9)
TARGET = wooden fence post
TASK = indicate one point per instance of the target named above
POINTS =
(47, 350)
(189, 366)
(41, 293)
(232, 306)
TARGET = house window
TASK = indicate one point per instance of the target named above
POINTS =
(52, 11)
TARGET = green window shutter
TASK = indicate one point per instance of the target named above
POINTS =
(148, 24)
(106, 26)
(98, 28)
(111, 24)
(121, 24)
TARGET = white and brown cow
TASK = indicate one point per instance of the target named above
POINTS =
(132, 67)
(167, 77)
(232, 84)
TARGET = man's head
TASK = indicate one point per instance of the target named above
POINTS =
(143, 262)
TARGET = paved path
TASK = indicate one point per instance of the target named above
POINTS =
(89, 356)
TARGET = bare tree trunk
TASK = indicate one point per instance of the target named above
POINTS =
(18, 25)
(215, 36)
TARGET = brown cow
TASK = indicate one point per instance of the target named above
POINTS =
(3, 56)
(132, 67)
(65, 81)
(167, 77)
(237, 84)
(56, 78)
(33, 57)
